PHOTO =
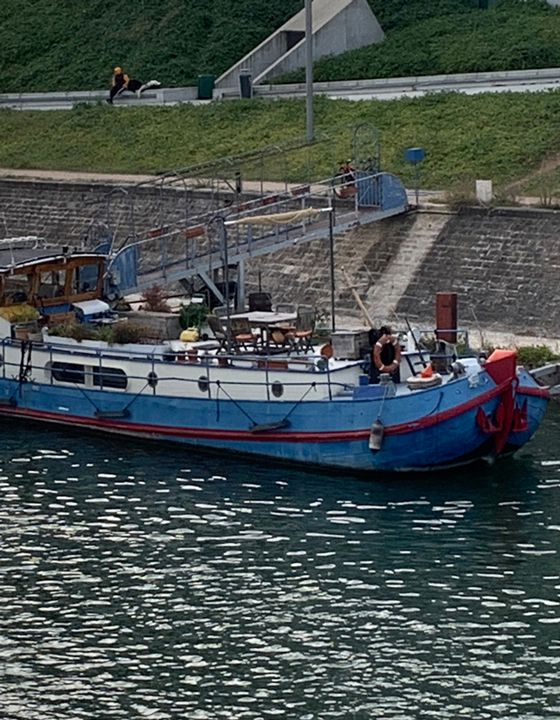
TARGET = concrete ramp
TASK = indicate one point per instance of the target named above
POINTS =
(338, 25)
(384, 296)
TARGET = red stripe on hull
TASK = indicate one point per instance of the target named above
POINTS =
(186, 432)
(265, 436)
(536, 391)
(429, 420)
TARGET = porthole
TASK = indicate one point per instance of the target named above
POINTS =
(203, 384)
(152, 379)
(277, 389)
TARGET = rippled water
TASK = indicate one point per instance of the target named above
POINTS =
(147, 582)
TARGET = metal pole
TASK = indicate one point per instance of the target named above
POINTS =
(223, 233)
(331, 243)
(309, 70)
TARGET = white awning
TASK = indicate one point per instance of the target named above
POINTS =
(278, 218)
(92, 307)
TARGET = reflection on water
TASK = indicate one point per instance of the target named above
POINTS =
(152, 582)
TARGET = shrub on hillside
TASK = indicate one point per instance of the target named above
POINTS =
(533, 356)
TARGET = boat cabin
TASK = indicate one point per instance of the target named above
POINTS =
(50, 281)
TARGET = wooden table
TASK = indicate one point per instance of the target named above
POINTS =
(264, 321)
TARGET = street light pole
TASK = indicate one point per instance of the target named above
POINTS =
(309, 70)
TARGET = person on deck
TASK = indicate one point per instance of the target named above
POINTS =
(385, 355)
(121, 81)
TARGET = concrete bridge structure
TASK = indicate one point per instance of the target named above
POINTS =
(338, 26)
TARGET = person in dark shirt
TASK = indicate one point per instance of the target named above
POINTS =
(121, 82)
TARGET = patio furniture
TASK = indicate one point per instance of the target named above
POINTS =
(242, 337)
(267, 323)
(300, 336)
(218, 331)
(284, 308)
(261, 302)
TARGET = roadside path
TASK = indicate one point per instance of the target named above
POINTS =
(377, 88)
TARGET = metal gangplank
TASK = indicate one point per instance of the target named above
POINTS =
(220, 237)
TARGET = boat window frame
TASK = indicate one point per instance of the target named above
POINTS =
(78, 375)
(103, 376)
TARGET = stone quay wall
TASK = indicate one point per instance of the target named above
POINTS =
(77, 213)
(504, 263)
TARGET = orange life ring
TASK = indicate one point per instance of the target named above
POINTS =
(377, 354)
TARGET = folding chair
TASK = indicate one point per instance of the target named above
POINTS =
(218, 331)
(242, 337)
(300, 337)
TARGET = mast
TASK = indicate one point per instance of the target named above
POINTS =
(309, 70)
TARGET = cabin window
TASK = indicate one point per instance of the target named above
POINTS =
(51, 284)
(68, 372)
(110, 378)
(16, 288)
(277, 389)
(84, 278)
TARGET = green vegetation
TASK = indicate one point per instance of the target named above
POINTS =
(531, 356)
(121, 333)
(74, 44)
(501, 137)
(399, 14)
(512, 36)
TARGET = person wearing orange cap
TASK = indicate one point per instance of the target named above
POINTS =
(121, 82)
(118, 83)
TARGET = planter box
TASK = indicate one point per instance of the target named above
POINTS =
(159, 326)
(348, 344)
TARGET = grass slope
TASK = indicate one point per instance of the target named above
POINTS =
(515, 35)
(74, 44)
(500, 137)
(49, 45)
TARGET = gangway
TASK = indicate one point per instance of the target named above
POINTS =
(207, 242)
(196, 210)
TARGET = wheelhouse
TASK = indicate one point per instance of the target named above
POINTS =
(50, 282)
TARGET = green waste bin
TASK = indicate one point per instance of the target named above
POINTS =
(205, 87)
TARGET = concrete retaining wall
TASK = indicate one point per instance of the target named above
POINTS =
(503, 263)
(75, 212)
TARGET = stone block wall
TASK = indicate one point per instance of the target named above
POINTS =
(504, 265)
(302, 273)
(76, 213)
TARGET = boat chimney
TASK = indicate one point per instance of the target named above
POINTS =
(446, 316)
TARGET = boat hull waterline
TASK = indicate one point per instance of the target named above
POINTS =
(436, 427)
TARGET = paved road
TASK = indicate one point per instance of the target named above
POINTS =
(382, 89)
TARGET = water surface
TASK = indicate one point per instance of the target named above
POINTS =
(148, 581)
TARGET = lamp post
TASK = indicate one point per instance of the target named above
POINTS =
(309, 70)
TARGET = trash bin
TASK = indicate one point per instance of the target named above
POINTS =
(205, 87)
(245, 84)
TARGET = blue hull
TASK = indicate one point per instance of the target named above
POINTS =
(433, 428)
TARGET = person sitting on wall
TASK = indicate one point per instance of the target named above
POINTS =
(346, 171)
(121, 81)
(385, 356)
(345, 179)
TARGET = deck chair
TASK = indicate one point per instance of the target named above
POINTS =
(284, 308)
(242, 337)
(218, 331)
(300, 337)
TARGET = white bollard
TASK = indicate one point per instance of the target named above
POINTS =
(484, 191)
